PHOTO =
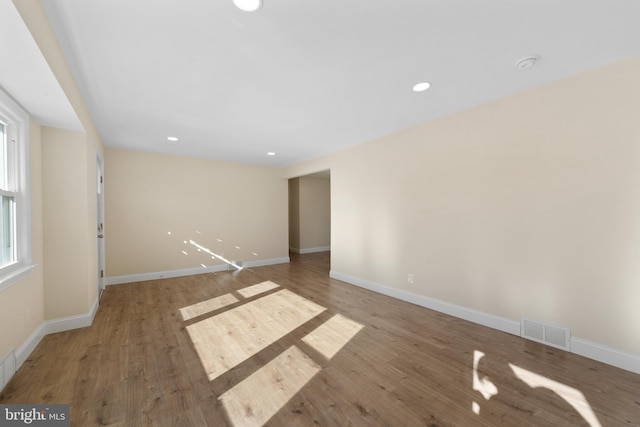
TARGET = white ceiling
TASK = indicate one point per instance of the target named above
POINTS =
(304, 78)
(26, 76)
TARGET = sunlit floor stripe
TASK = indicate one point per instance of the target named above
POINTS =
(227, 339)
(328, 338)
(207, 306)
(572, 396)
(261, 395)
(257, 289)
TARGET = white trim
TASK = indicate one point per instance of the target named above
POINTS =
(142, 277)
(72, 322)
(51, 327)
(14, 275)
(604, 354)
(265, 262)
(591, 350)
(30, 344)
(310, 250)
(18, 131)
(100, 244)
(475, 316)
(7, 368)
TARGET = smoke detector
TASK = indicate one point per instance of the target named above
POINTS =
(527, 62)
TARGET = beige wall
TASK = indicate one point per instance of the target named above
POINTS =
(80, 203)
(28, 294)
(64, 282)
(315, 212)
(236, 210)
(65, 223)
(528, 206)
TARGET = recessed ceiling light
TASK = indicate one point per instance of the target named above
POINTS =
(271, 153)
(172, 138)
(421, 87)
(248, 5)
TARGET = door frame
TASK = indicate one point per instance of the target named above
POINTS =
(100, 221)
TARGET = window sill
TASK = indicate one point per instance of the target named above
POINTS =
(9, 278)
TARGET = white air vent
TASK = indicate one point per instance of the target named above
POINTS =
(545, 333)
(533, 330)
(7, 368)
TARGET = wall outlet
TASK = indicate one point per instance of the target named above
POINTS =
(410, 278)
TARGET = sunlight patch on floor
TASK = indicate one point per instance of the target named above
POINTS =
(328, 338)
(254, 290)
(572, 396)
(204, 307)
(227, 339)
(483, 385)
(260, 396)
(213, 304)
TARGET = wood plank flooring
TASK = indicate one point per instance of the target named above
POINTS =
(285, 345)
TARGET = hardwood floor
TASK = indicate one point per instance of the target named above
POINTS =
(285, 345)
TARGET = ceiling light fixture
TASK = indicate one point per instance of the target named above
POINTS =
(421, 87)
(271, 153)
(172, 138)
(248, 5)
(527, 62)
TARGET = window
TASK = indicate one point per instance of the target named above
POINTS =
(15, 214)
(7, 201)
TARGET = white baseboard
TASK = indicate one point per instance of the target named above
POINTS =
(72, 322)
(265, 262)
(604, 354)
(475, 316)
(48, 327)
(142, 277)
(598, 352)
(132, 278)
(310, 250)
(7, 368)
(30, 344)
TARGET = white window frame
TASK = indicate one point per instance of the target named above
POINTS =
(17, 128)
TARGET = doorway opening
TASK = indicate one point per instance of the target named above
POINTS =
(310, 213)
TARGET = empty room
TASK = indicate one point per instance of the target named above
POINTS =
(295, 213)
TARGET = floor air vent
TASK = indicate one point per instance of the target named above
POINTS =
(552, 335)
(7, 368)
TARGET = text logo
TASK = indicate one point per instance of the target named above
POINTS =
(34, 415)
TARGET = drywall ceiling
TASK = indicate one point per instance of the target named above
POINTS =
(26, 76)
(305, 78)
